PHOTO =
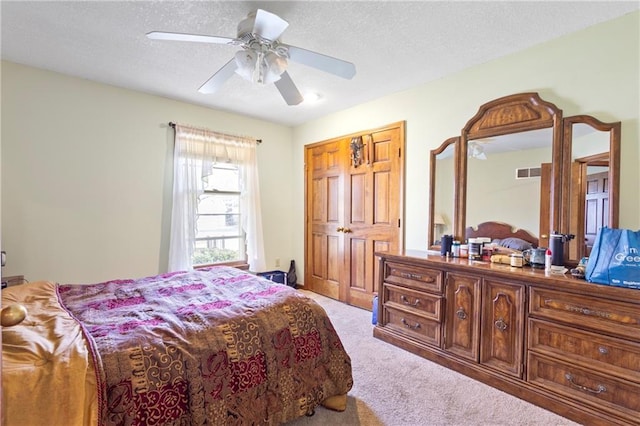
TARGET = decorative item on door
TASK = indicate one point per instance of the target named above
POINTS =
(357, 148)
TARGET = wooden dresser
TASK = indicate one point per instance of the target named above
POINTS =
(569, 346)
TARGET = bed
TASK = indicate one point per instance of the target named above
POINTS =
(210, 346)
(504, 240)
(503, 231)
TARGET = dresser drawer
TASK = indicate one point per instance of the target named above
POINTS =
(606, 354)
(423, 304)
(606, 393)
(413, 276)
(415, 326)
(613, 317)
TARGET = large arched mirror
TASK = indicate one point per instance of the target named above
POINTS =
(591, 175)
(511, 169)
(508, 180)
(443, 190)
(517, 162)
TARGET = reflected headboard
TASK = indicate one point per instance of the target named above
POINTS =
(500, 230)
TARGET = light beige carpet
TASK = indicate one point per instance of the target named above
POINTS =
(395, 387)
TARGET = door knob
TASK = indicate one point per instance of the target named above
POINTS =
(340, 229)
(460, 313)
(346, 230)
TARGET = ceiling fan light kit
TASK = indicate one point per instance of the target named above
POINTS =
(263, 58)
(474, 150)
(258, 67)
(312, 97)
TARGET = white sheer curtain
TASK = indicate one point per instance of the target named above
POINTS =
(196, 150)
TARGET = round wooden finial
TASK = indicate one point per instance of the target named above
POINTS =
(12, 315)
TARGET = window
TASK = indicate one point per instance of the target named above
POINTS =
(215, 217)
(219, 235)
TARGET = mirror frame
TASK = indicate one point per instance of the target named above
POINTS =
(512, 114)
(455, 141)
(614, 130)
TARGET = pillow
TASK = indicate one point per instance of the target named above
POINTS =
(497, 249)
(514, 243)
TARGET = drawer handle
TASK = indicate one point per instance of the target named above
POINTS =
(603, 350)
(412, 327)
(577, 309)
(460, 313)
(599, 389)
(406, 301)
(501, 325)
(417, 277)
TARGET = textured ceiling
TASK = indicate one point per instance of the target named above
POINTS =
(395, 45)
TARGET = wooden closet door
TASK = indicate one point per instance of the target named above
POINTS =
(352, 211)
(325, 211)
(372, 212)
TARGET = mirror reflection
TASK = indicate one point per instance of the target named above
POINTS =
(589, 188)
(504, 175)
(443, 188)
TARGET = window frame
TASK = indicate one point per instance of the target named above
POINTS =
(241, 263)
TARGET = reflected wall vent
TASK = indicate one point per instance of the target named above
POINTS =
(529, 172)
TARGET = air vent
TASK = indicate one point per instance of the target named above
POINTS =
(530, 172)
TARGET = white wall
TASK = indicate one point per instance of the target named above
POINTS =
(494, 193)
(86, 177)
(594, 71)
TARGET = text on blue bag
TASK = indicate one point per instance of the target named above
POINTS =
(615, 258)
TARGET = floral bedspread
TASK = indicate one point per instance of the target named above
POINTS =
(214, 346)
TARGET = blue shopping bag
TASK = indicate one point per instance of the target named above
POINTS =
(615, 258)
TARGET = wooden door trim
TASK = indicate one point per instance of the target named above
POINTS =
(577, 204)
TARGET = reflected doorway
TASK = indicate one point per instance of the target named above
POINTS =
(590, 193)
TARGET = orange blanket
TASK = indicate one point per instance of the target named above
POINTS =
(47, 371)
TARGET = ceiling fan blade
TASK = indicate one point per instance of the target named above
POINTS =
(159, 35)
(322, 62)
(268, 25)
(288, 90)
(219, 78)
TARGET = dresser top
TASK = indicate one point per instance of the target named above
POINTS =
(526, 274)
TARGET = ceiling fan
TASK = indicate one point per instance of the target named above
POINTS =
(263, 58)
